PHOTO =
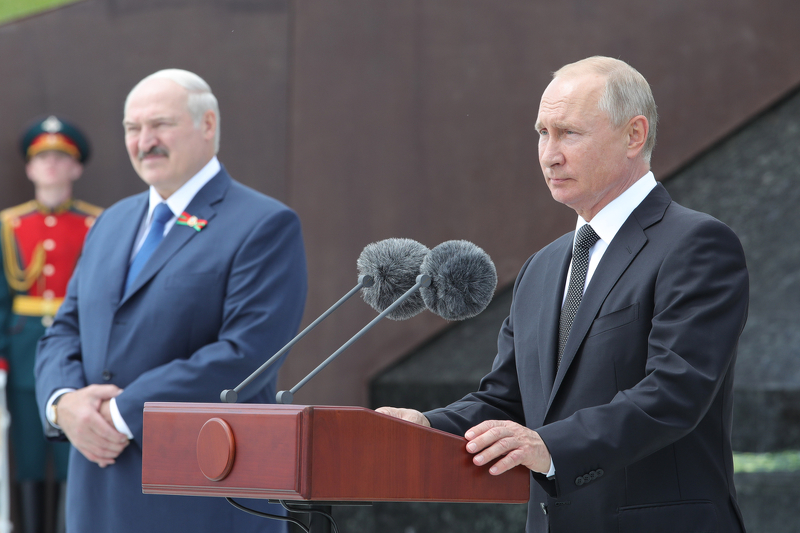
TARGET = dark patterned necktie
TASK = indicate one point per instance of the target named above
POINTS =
(580, 265)
(161, 215)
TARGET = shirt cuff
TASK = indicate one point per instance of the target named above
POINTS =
(552, 472)
(119, 422)
(48, 410)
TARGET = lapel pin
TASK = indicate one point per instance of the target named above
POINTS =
(192, 221)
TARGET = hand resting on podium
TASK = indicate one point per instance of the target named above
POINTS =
(494, 438)
(409, 415)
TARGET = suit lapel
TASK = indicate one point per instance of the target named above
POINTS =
(627, 243)
(201, 206)
(120, 255)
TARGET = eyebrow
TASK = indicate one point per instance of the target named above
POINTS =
(558, 125)
(163, 118)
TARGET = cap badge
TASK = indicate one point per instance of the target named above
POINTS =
(192, 221)
(52, 125)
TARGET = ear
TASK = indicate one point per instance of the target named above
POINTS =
(29, 170)
(76, 171)
(636, 135)
(209, 124)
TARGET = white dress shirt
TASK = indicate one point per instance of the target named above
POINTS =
(177, 203)
(606, 224)
(609, 220)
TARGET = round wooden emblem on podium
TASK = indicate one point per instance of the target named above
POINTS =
(215, 449)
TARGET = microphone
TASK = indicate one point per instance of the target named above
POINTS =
(456, 281)
(463, 280)
(394, 267)
(394, 264)
(286, 396)
(400, 278)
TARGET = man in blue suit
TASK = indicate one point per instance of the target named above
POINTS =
(181, 292)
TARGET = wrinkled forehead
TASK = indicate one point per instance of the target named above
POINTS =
(157, 94)
(572, 94)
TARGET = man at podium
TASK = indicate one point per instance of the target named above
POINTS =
(614, 373)
(180, 292)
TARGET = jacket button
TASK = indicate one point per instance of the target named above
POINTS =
(593, 475)
(106, 375)
(579, 481)
(599, 472)
(586, 478)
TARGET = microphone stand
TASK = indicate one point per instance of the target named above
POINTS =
(230, 396)
(286, 397)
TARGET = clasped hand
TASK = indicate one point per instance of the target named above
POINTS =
(491, 439)
(85, 419)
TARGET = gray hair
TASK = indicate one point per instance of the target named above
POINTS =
(200, 99)
(627, 94)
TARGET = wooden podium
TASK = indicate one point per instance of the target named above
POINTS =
(311, 453)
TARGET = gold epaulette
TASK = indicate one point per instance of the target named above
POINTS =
(87, 208)
(19, 279)
(10, 213)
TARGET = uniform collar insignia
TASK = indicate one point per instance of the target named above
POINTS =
(57, 210)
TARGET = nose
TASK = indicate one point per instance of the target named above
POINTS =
(550, 153)
(147, 139)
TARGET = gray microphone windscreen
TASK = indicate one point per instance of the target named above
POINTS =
(463, 279)
(394, 265)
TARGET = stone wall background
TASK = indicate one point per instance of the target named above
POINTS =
(751, 181)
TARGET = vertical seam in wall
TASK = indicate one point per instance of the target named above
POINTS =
(420, 157)
(291, 20)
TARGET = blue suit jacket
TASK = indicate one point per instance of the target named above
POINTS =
(638, 416)
(204, 312)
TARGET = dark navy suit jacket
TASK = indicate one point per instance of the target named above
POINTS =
(206, 310)
(638, 416)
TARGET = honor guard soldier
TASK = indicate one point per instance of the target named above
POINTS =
(41, 243)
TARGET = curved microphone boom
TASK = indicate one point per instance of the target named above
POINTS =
(231, 395)
(394, 265)
(463, 280)
(286, 396)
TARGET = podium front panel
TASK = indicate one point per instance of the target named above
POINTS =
(268, 460)
(313, 453)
